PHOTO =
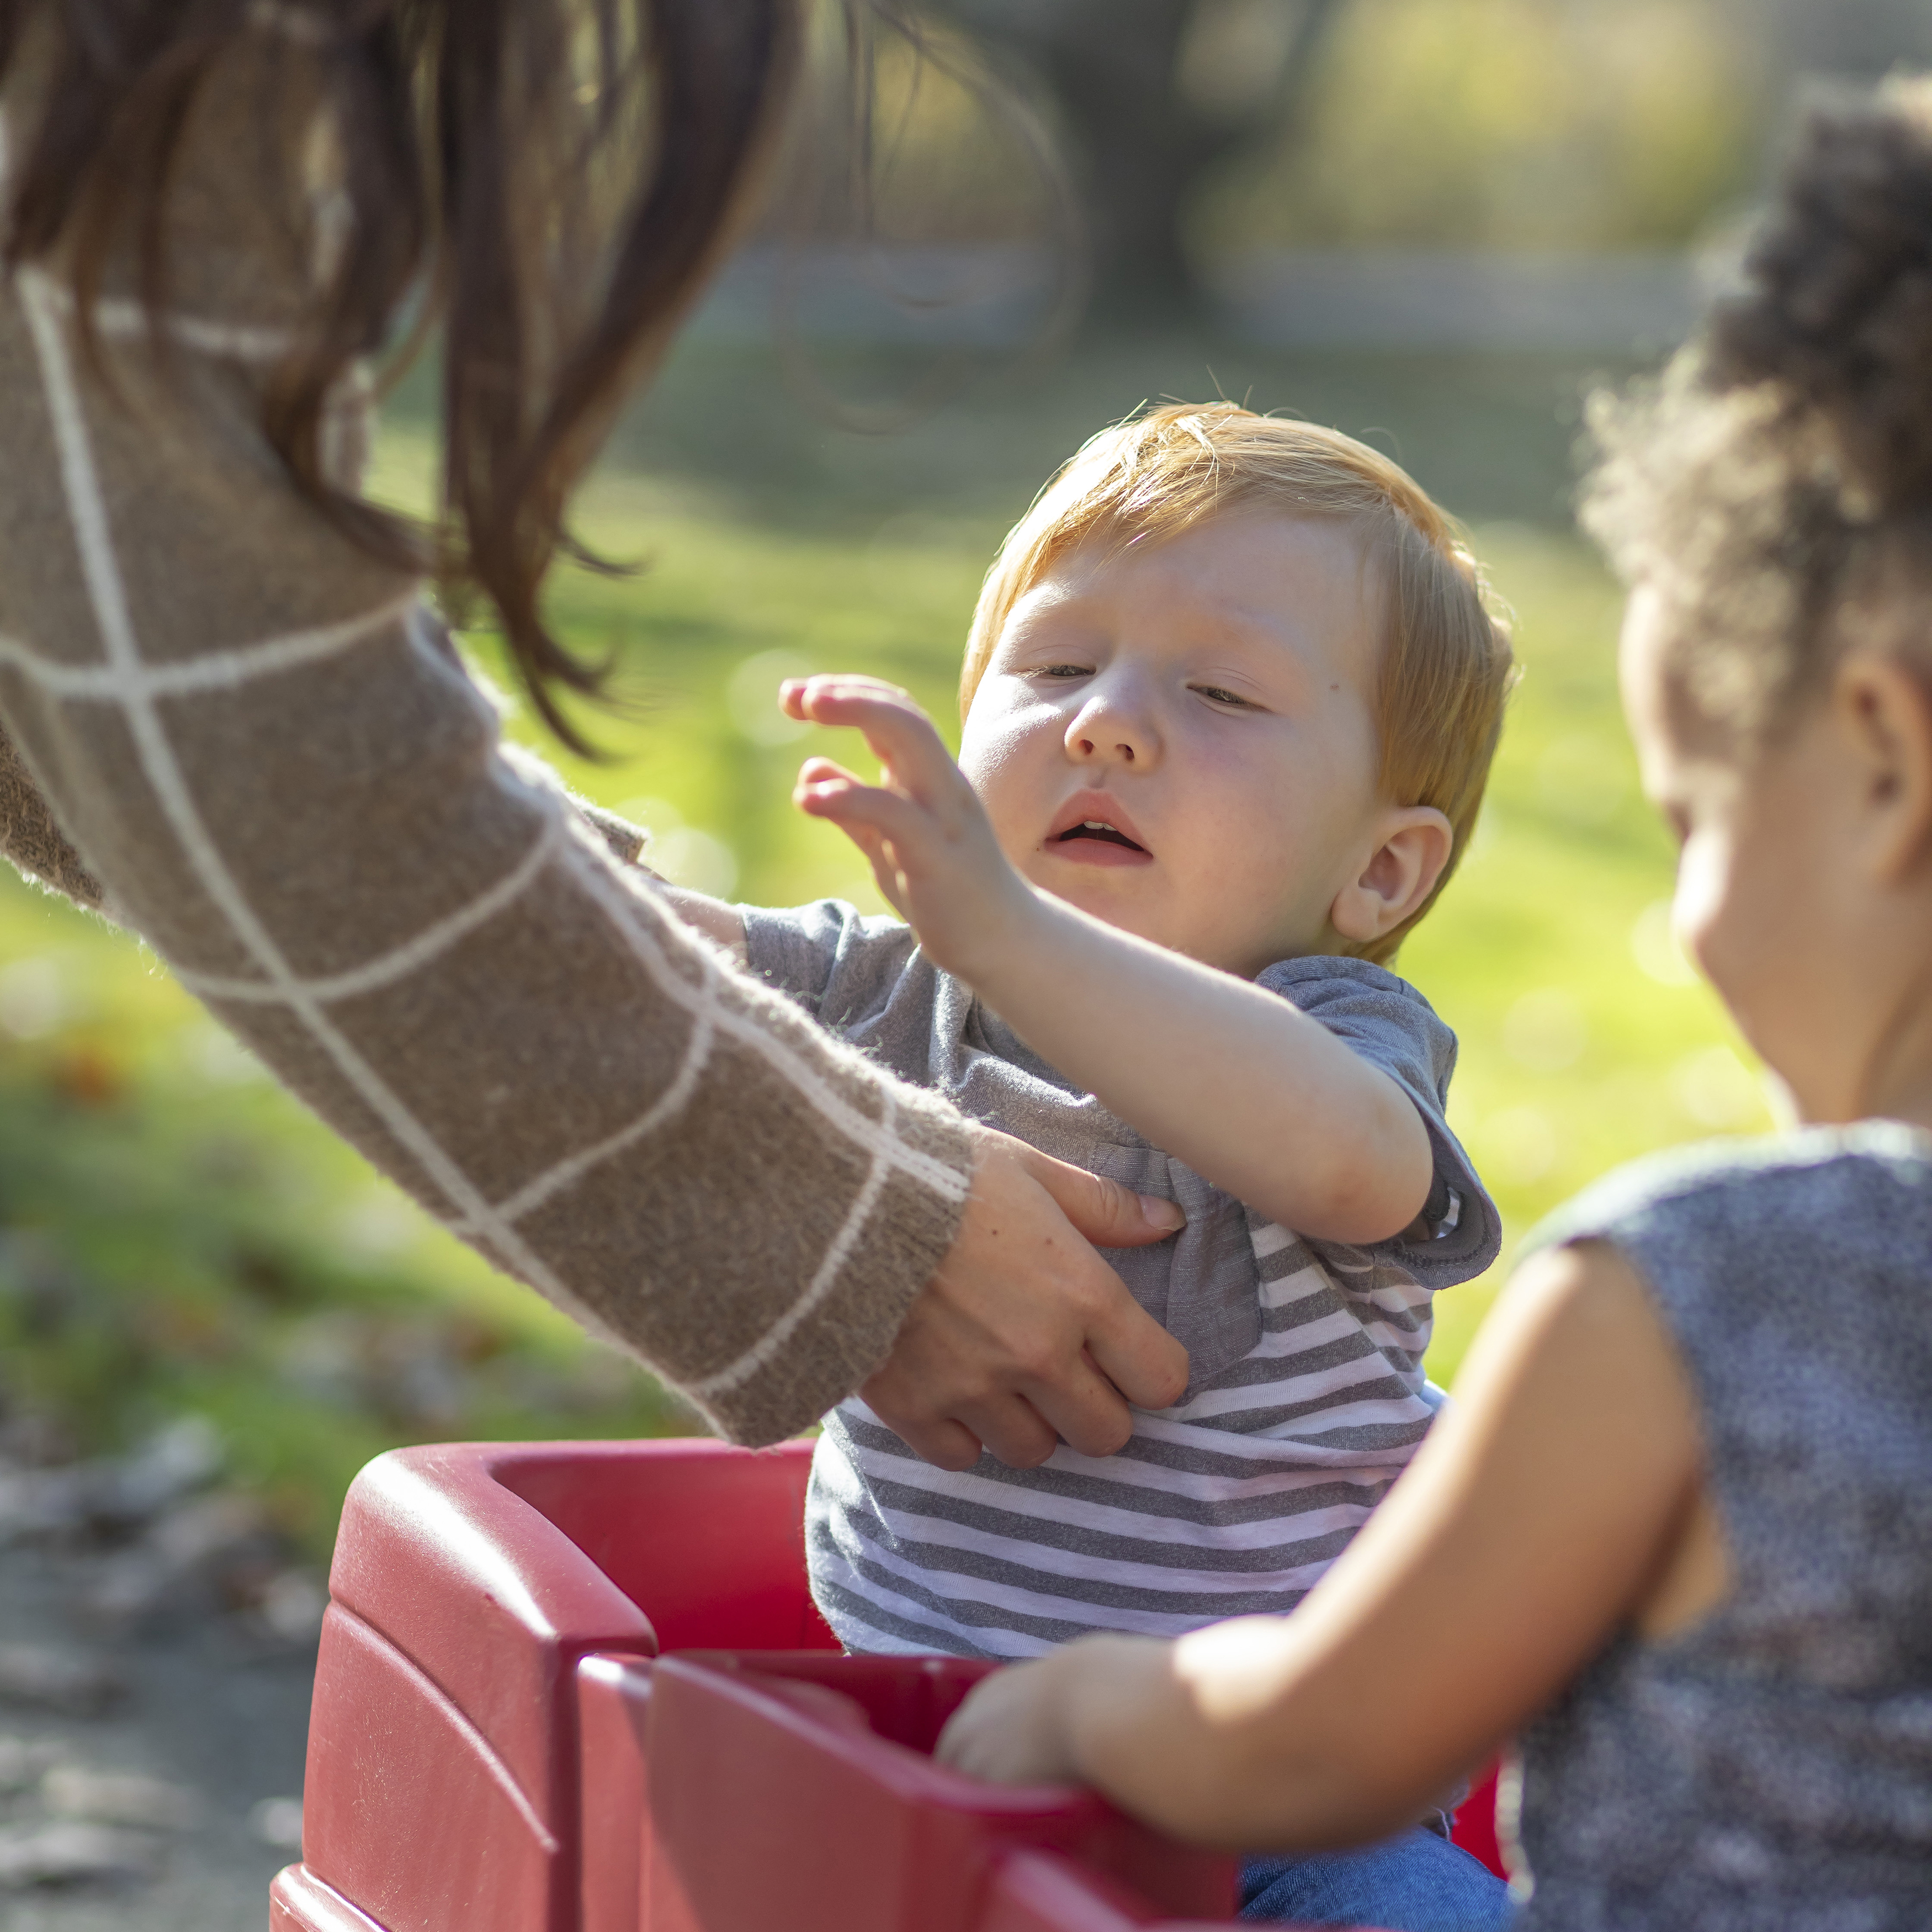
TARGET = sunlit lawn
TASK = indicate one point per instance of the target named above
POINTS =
(183, 1235)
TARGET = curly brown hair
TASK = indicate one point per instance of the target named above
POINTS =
(1775, 485)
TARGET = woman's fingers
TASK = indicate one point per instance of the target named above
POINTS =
(1025, 1330)
(944, 1442)
(1109, 1215)
(1139, 1358)
(1012, 1430)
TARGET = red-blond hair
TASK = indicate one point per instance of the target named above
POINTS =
(1446, 664)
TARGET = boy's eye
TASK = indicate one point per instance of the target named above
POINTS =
(1062, 670)
(1217, 694)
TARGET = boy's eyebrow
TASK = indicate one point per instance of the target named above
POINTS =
(1226, 615)
(1245, 618)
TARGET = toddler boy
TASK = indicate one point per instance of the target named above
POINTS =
(1230, 696)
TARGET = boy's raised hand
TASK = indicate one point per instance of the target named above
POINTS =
(931, 845)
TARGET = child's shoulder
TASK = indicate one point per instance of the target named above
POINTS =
(840, 963)
(1335, 975)
(1377, 1012)
(1809, 1189)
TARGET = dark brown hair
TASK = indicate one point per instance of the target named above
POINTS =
(552, 179)
(1775, 485)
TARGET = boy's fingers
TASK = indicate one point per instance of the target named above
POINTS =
(883, 812)
(825, 771)
(806, 690)
(894, 726)
(869, 842)
(826, 791)
(814, 700)
(886, 875)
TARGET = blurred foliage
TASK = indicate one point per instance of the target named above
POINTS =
(1492, 123)
(946, 149)
(1151, 98)
(1510, 123)
(176, 1234)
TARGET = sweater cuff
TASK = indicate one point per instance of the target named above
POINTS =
(850, 1334)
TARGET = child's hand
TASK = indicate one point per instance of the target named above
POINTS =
(1011, 1728)
(1034, 1723)
(931, 847)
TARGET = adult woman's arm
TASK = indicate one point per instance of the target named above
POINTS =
(258, 740)
(29, 837)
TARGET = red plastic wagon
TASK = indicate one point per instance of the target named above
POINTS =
(581, 1687)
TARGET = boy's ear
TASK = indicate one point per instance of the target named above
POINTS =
(1884, 711)
(1416, 842)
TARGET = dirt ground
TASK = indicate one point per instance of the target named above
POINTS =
(150, 1776)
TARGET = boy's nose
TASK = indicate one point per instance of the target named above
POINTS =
(1110, 733)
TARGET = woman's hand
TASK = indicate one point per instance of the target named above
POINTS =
(922, 827)
(1025, 1335)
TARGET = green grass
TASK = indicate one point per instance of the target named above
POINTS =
(180, 1234)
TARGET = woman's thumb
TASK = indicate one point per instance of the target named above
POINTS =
(1109, 1215)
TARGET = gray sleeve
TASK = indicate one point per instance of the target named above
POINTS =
(1391, 1025)
(841, 967)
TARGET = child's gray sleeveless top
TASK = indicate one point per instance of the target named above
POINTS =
(1771, 1771)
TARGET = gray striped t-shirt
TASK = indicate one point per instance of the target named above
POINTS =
(1305, 1396)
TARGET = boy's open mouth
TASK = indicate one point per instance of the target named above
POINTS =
(1098, 828)
(1090, 829)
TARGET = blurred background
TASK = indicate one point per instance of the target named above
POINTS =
(1435, 224)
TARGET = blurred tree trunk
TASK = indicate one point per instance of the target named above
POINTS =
(1154, 95)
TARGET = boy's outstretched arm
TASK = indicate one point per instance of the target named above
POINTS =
(974, 1368)
(1560, 1497)
(1263, 1101)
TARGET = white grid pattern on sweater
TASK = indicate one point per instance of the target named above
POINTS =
(412, 955)
(221, 670)
(135, 686)
(117, 318)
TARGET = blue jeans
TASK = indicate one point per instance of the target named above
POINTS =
(1416, 1883)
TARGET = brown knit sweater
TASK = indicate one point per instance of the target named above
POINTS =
(256, 739)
